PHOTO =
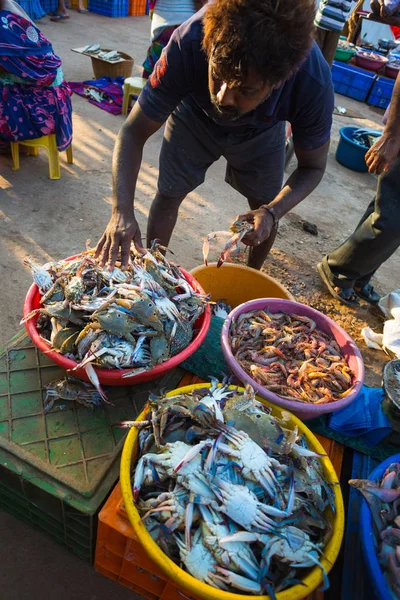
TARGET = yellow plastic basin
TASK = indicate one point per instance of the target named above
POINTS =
(237, 283)
(312, 577)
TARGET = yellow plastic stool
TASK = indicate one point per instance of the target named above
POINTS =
(132, 87)
(48, 142)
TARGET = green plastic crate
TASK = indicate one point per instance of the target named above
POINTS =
(56, 470)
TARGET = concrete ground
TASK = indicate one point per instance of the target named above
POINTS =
(53, 219)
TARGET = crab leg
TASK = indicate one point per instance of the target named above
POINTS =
(212, 236)
(138, 479)
(192, 453)
(189, 512)
(94, 380)
(238, 581)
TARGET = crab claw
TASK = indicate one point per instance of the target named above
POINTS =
(94, 380)
(206, 250)
(192, 453)
(138, 479)
(238, 581)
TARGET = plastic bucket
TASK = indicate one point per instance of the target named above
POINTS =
(114, 376)
(381, 588)
(237, 283)
(350, 351)
(312, 578)
(348, 153)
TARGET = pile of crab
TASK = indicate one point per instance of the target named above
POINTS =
(130, 319)
(229, 491)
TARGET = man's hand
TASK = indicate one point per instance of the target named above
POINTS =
(120, 231)
(382, 154)
(263, 225)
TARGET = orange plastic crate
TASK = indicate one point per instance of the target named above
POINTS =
(137, 8)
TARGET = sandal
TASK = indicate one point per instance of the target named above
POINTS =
(58, 17)
(367, 293)
(344, 295)
(83, 11)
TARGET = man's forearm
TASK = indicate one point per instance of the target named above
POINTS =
(127, 158)
(300, 184)
(393, 122)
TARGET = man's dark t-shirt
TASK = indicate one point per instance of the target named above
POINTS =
(181, 75)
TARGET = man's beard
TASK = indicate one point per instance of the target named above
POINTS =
(230, 112)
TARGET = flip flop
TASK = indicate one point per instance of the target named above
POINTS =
(83, 11)
(344, 295)
(367, 293)
(57, 17)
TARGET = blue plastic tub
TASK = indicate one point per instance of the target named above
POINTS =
(381, 92)
(352, 81)
(348, 153)
(375, 573)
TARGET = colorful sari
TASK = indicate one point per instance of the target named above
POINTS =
(34, 98)
(166, 16)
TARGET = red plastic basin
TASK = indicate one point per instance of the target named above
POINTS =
(114, 376)
(348, 348)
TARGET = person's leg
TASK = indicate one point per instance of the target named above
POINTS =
(375, 238)
(375, 7)
(330, 45)
(81, 8)
(61, 8)
(61, 13)
(256, 165)
(188, 149)
(162, 218)
(320, 35)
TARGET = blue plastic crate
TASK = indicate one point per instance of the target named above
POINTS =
(381, 92)
(109, 8)
(352, 81)
(49, 5)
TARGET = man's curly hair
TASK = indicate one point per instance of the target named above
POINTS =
(270, 37)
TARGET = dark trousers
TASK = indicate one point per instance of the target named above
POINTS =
(375, 239)
(327, 42)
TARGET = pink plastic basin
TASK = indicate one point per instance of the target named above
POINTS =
(369, 61)
(392, 71)
(348, 347)
(114, 376)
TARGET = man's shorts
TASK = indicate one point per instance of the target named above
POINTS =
(192, 143)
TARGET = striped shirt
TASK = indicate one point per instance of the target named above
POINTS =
(332, 14)
(170, 12)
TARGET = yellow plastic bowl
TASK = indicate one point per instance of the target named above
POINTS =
(188, 583)
(237, 283)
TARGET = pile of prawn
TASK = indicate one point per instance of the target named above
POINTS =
(290, 356)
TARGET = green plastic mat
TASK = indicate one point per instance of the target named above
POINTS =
(70, 446)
